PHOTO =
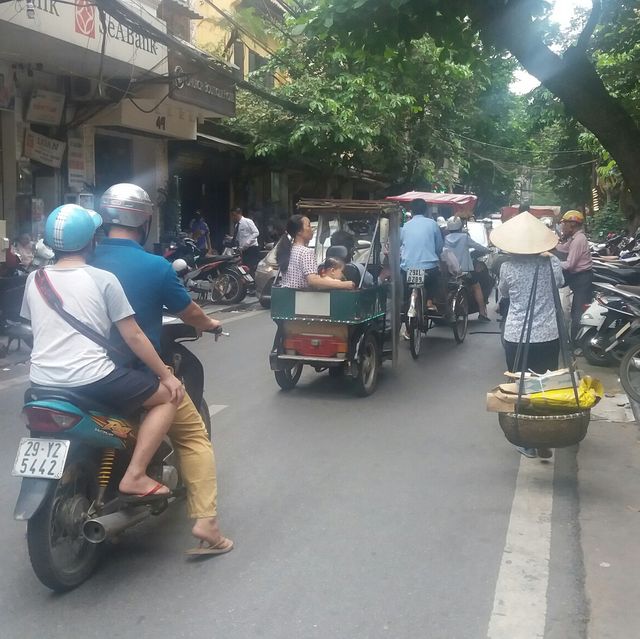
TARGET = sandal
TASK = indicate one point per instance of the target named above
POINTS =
(149, 496)
(223, 546)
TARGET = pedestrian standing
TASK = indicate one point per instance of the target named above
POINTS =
(577, 267)
(528, 241)
(245, 235)
(200, 232)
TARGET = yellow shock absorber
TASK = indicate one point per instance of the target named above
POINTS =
(104, 474)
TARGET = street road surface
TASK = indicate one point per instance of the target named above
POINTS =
(402, 515)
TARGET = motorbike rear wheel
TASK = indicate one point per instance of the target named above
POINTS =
(236, 288)
(61, 557)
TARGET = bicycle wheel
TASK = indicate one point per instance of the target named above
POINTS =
(460, 315)
(630, 373)
(416, 322)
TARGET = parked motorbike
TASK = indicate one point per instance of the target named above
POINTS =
(215, 278)
(600, 323)
(73, 461)
(611, 325)
(12, 326)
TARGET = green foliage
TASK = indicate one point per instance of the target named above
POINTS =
(606, 220)
(390, 112)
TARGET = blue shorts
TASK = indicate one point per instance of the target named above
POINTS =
(124, 389)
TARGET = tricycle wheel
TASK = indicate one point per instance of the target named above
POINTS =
(368, 366)
(460, 316)
(60, 555)
(287, 378)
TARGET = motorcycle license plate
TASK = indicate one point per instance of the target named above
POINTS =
(415, 276)
(43, 458)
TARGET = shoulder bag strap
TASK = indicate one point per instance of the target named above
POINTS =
(54, 301)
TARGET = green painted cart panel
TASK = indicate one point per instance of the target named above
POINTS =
(344, 307)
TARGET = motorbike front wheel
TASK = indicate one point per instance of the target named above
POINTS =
(595, 356)
(630, 373)
(60, 555)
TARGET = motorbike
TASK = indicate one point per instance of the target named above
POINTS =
(215, 278)
(611, 325)
(12, 326)
(71, 465)
(600, 323)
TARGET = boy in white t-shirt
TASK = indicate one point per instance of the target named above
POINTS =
(64, 357)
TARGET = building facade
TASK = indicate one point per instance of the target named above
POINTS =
(91, 94)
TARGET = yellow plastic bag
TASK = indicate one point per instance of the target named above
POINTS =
(590, 392)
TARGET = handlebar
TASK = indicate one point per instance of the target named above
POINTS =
(218, 333)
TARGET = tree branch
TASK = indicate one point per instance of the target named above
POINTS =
(589, 28)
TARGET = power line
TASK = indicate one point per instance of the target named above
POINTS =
(509, 148)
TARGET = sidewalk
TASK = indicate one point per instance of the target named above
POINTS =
(609, 501)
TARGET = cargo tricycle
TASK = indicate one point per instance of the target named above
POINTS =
(346, 333)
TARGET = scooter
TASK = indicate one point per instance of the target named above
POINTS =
(72, 463)
(215, 278)
(12, 326)
(610, 326)
(598, 327)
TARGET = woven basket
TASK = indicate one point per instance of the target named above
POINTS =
(545, 431)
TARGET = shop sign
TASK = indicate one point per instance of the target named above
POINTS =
(201, 86)
(168, 119)
(45, 107)
(78, 23)
(43, 149)
(76, 161)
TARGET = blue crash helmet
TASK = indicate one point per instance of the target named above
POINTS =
(70, 228)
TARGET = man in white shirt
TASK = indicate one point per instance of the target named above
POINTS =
(245, 234)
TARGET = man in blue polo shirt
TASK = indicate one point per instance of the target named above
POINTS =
(421, 246)
(151, 285)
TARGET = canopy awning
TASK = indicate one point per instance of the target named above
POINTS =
(463, 204)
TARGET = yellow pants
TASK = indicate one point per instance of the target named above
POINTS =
(196, 460)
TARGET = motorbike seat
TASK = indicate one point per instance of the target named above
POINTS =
(209, 259)
(634, 290)
(84, 403)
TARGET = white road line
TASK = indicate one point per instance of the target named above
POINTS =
(216, 408)
(520, 603)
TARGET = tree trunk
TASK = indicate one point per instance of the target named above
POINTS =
(574, 81)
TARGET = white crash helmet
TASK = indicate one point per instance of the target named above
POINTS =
(442, 223)
(180, 266)
(454, 223)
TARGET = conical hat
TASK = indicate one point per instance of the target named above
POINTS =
(524, 234)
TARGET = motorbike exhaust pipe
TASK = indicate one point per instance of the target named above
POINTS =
(100, 529)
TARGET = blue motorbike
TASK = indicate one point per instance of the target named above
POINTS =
(72, 463)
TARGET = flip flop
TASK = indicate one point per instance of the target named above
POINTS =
(206, 548)
(151, 495)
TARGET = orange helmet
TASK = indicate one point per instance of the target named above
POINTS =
(573, 216)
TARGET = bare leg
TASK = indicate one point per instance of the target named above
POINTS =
(479, 297)
(150, 435)
(208, 531)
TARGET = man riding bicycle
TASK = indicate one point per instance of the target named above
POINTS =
(421, 246)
